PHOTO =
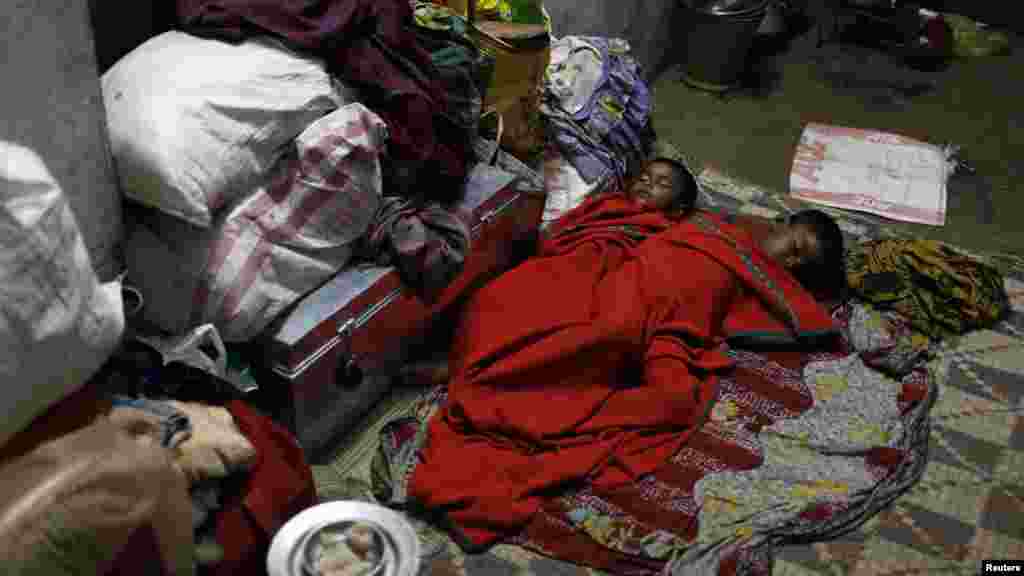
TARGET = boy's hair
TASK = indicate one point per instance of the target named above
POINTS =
(685, 186)
(826, 271)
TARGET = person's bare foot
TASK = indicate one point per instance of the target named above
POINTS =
(424, 373)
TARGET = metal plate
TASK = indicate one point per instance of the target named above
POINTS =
(401, 556)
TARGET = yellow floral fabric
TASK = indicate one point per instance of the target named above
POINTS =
(940, 291)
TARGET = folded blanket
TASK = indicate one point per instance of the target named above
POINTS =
(598, 385)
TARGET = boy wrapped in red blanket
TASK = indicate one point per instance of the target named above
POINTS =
(596, 360)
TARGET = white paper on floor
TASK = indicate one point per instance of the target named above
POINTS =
(877, 172)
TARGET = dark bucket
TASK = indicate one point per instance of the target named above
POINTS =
(719, 35)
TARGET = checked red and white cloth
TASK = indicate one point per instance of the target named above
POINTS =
(282, 240)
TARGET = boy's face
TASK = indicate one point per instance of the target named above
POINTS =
(655, 187)
(791, 245)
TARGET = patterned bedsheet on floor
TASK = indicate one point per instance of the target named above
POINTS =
(961, 414)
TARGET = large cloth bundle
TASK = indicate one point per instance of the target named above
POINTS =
(58, 324)
(291, 233)
(196, 123)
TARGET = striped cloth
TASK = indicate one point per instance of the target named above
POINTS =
(285, 238)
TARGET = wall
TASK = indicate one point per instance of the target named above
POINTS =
(52, 104)
(647, 24)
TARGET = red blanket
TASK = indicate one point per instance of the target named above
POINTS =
(595, 363)
(611, 220)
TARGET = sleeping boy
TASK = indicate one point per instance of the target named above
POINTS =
(591, 239)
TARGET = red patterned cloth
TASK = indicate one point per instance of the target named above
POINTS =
(766, 388)
(278, 486)
(544, 390)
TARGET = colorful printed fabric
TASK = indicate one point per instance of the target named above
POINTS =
(434, 16)
(597, 106)
(884, 339)
(940, 291)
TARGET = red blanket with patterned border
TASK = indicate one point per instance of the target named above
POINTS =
(543, 392)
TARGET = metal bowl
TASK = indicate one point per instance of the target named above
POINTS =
(735, 8)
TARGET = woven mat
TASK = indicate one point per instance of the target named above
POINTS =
(968, 507)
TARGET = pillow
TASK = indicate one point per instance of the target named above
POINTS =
(194, 123)
(58, 325)
(564, 187)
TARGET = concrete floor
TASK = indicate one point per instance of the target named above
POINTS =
(976, 104)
